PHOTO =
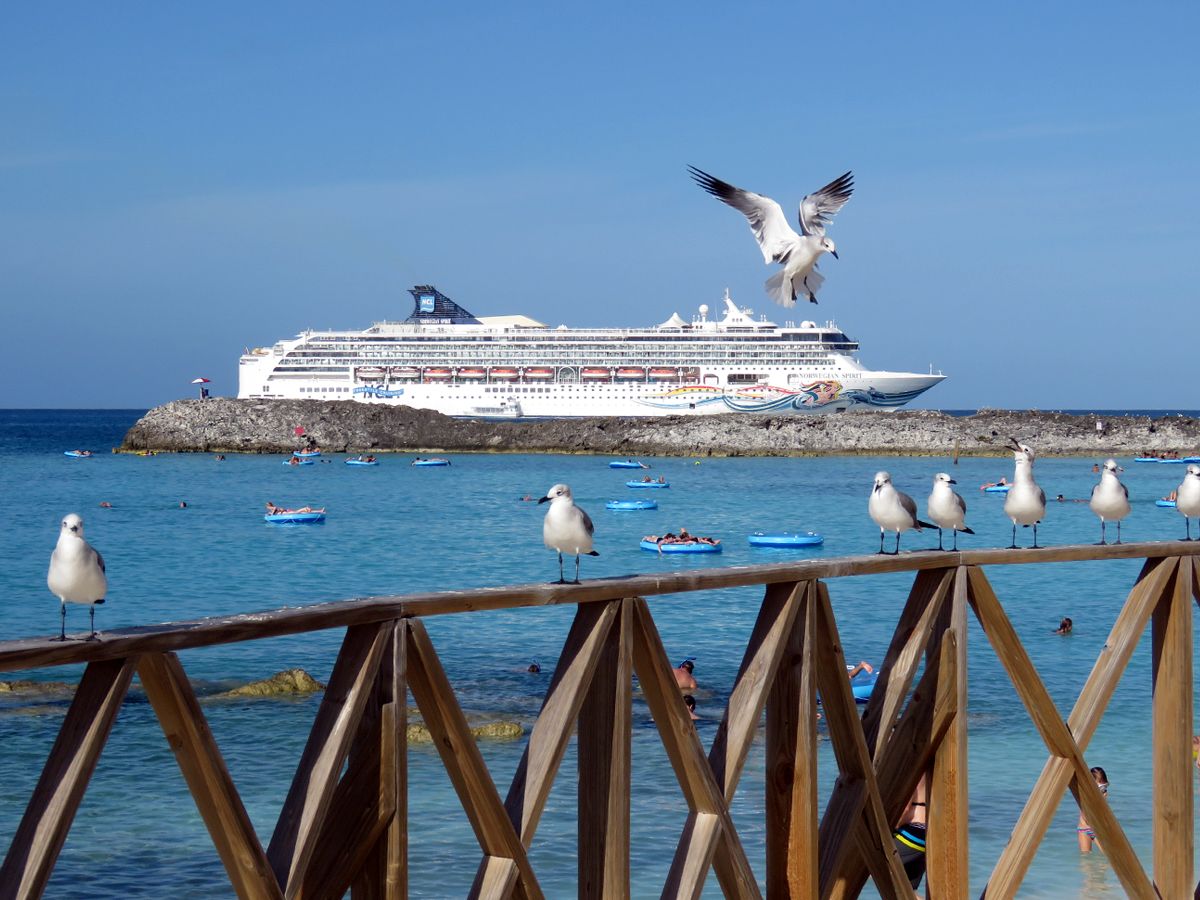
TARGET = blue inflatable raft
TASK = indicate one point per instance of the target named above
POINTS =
(697, 547)
(295, 518)
(306, 454)
(631, 504)
(1191, 459)
(1145, 459)
(648, 484)
(998, 488)
(362, 462)
(1169, 504)
(299, 462)
(627, 464)
(1172, 462)
(431, 462)
(785, 540)
(862, 685)
(78, 454)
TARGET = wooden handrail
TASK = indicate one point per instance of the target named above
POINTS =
(39, 652)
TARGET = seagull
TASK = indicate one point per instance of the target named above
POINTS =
(947, 508)
(892, 510)
(1187, 497)
(567, 528)
(1025, 502)
(76, 572)
(798, 253)
(1110, 498)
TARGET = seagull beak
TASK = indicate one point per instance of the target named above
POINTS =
(833, 253)
(544, 500)
(952, 481)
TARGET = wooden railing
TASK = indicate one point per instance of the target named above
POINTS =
(343, 825)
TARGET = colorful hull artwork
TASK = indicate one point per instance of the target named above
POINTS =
(769, 398)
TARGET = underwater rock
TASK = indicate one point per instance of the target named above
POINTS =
(286, 683)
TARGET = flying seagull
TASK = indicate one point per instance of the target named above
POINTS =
(797, 253)
(76, 572)
(567, 528)
(947, 508)
(892, 510)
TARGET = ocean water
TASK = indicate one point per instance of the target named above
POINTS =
(395, 529)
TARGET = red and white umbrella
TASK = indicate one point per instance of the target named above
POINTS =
(201, 380)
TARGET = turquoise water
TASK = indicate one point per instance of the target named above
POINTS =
(395, 529)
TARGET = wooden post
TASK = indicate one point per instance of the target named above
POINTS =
(791, 764)
(605, 723)
(1173, 765)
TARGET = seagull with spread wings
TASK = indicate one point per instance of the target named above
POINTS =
(798, 253)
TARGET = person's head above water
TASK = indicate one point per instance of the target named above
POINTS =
(687, 665)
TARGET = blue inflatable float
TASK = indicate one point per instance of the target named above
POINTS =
(998, 488)
(862, 685)
(786, 539)
(696, 547)
(295, 518)
(648, 484)
(430, 462)
(296, 461)
(78, 454)
(1145, 459)
(627, 464)
(631, 504)
(1191, 459)
(1169, 504)
(362, 462)
(306, 454)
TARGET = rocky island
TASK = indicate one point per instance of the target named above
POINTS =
(269, 426)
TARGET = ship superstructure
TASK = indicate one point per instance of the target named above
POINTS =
(443, 358)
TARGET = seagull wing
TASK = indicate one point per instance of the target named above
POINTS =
(774, 235)
(962, 504)
(99, 560)
(587, 521)
(820, 206)
(910, 505)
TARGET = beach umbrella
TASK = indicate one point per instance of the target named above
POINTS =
(202, 382)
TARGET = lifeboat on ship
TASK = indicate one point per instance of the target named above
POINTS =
(664, 374)
(370, 373)
(437, 374)
(472, 374)
(628, 373)
(502, 373)
(595, 373)
(539, 373)
(405, 373)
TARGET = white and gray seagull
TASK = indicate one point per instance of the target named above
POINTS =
(1187, 497)
(1025, 502)
(1110, 498)
(566, 528)
(76, 572)
(797, 253)
(947, 508)
(892, 510)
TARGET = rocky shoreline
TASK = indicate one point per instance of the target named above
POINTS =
(269, 426)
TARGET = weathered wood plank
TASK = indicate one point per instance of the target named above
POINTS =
(495, 879)
(685, 881)
(605, 731)
(1036, 699)
(556, 720)
(1058, 772)
(695, 776)
(791, 763)
(35, 652)
(43, 829)
(187, 732)
(854, 759)
(1171, 655)
(316, 776)
(464, 763)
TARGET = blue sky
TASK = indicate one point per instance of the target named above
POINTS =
(181, 181)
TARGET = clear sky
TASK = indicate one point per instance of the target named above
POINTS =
(184, 180)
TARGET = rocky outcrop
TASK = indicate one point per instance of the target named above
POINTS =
(260, 426)
(490, 731)
(282, 684)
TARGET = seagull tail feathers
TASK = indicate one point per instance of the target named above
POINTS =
(593, 553)
(966, 530)
(779, 288)
(921, 525)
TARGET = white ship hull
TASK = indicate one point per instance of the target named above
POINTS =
(444, 359)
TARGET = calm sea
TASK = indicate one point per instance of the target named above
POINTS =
(396, 529)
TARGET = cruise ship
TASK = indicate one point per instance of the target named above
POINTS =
(443, 358)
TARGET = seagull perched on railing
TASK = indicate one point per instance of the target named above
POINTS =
(76, 572)
(1187, 497)
(1110, 498)
(947, 508)
(566, 528)
(798, 253)
(1025, 502)
(892, 510)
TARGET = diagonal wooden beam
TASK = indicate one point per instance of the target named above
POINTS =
(791, 762)
(854, 760)
(187, 732)
(1036, 699)
(316, 776)
(1058, 772)
(1171, 655)
(556, 720)
(464, 764)
(705, 839)
(496, 879)
(605, 732)
(43, 829)
(906, 757)
(903, 658)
